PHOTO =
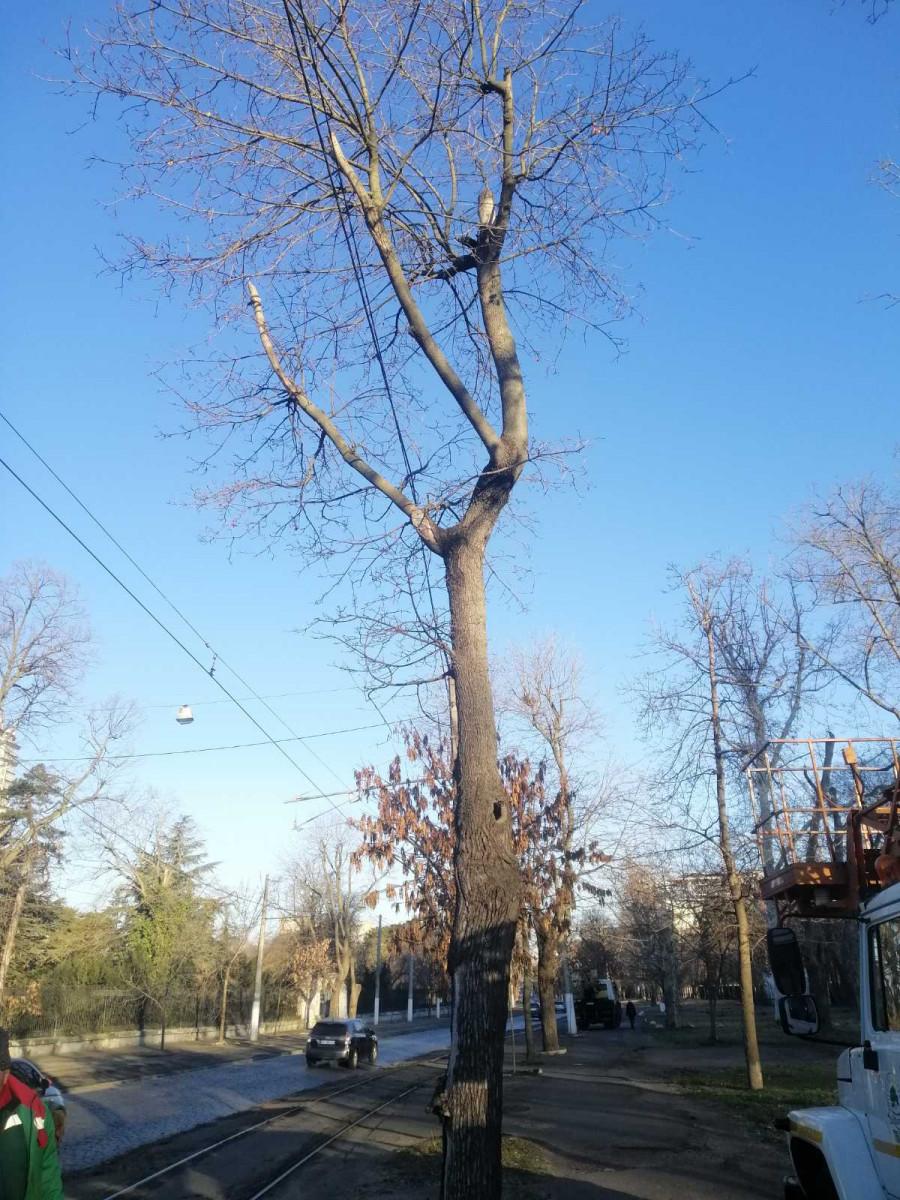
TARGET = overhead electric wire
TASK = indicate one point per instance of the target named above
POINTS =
(168, 632)
(211, 749)
(356, 263)
(169, 704)
(216, 657)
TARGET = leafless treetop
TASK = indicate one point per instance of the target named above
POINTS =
(311, 147)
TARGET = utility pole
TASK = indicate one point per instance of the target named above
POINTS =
(409, 994)
(260, 950)
(570, 999)
(377, 975)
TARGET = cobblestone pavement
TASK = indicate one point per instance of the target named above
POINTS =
(85, 1069)
(110, 1120)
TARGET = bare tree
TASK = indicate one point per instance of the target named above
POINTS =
(646, 927)
(328, 903)
(43, 653)
(543, 688)
(239, 914)
(685, 700)
(769, 674)
(43, 648)
(848, 556)
(706, 929)
(409, 194)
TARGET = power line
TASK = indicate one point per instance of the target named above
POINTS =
(207, 703)
(360, 791)
(356, 263)
(213, 749)
(216, 658)
(156, 620)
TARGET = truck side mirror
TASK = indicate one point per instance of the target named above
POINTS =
(799, 1015)
(786, 961)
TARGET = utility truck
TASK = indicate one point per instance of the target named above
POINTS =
(828, 823)
(597, 1002)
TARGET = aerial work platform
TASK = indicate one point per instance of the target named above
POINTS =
(827, 822)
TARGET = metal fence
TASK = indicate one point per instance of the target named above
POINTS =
(84, 1011)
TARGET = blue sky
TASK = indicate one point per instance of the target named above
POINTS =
(756, 369)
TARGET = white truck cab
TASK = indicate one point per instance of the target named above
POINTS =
(835, 853)
(852, 1151)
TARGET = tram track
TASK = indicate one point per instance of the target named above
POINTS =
(284, 1142)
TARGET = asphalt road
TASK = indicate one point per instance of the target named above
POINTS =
(109, 1120)
(609, 1127)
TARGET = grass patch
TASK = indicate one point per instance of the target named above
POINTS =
(518, 1154)
(786, 1087)
(416, 1169)
(693, 1031)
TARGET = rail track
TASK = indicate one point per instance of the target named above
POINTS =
(226, 1163)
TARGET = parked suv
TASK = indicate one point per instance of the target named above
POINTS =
(32, 1076)
(346, 1042)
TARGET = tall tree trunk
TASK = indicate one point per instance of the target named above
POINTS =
(355, 989)
(527, 989)
(548, 973)
(735, 884)
(488, 898)
(338, 990)
(12, 926)
(712, 1000)
(817, 970)
(670, 997)
(223, 1008)
(162, 1027)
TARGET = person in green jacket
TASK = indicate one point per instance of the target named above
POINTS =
(29, 1163)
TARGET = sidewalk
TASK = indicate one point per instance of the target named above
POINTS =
(89, 1070)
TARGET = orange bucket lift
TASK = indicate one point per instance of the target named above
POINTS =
(827, 822)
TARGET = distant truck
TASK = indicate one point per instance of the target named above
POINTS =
(597, 1003)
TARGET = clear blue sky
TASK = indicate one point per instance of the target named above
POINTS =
(756, 369)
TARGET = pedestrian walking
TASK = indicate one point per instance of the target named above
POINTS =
(631, 1013)
(29, 1163)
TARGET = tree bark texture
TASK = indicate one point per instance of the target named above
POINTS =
(735, 884)
(12, 926)
(713, 1002)
(488, 901)
(548, 973)
(670, 998)
(338, 991)
(527, 989)
(223, 1010)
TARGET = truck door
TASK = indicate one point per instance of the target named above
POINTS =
(880, 1061)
